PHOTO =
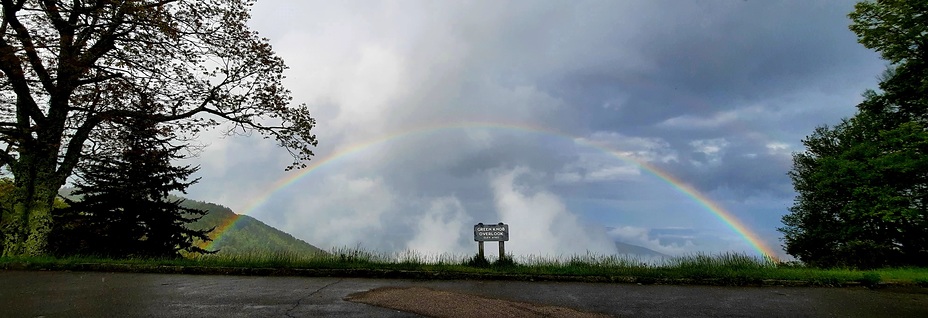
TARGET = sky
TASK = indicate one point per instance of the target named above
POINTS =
(578, 123)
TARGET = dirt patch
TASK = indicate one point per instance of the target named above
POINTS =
(437, 303)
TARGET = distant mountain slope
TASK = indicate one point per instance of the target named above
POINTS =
(625, 248)
(246, 234)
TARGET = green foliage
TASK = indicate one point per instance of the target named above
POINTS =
(483, 262)
(68, 68)
(246, 235)
(6, 207)
(504, 262)
(125, 210)
(861, 196)
(8, 212)
(863, 184)
(722, 269)
(898, 29)
(870, 279)
(477, 261)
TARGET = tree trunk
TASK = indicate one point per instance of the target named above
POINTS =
(30, 221)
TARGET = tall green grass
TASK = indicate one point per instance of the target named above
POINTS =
(724, 268)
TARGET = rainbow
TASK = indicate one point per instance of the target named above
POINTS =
(726, 217)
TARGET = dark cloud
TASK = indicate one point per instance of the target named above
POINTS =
(715, 93)
(752, 50)
(704, 57)
(741, 167)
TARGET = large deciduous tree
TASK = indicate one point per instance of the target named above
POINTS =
(862, 196)
(863, 185)
(69, 66)
(898, 30)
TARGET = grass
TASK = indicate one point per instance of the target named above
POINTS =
(719, 269)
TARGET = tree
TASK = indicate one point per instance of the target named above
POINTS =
(898, 30)
(861, 196)
(863, 185)
(126, 209)
(6, 204)
(68, 67)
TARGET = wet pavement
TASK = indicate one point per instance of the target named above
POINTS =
(95, 294)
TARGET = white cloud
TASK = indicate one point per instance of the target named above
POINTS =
(648, 149)
(640, 236)
(713, 149)
(779, 148)
(540, 224)
(350, 89)
(709, 146)
(222, 158)
(567, 177)
(344, 212)
(689, 121)
(443, 229)
(613, 173)
(596, 167)
(737, 116)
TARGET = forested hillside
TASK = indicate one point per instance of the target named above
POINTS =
(246, 234)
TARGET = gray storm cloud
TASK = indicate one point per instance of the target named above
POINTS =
(716, 93)
(363, 212)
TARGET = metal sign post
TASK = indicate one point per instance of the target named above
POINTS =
(491, 232)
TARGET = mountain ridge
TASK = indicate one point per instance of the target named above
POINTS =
(631, 249)
(245, 234)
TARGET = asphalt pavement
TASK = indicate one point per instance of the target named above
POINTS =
(98, 294)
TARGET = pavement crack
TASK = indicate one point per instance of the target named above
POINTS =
(300, 301)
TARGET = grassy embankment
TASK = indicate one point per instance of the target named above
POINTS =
(722, 269)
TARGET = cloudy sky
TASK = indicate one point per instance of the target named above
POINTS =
(556, 117)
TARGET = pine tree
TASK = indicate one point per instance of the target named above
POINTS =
(126, 210)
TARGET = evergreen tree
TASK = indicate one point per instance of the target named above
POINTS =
(126, 210)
